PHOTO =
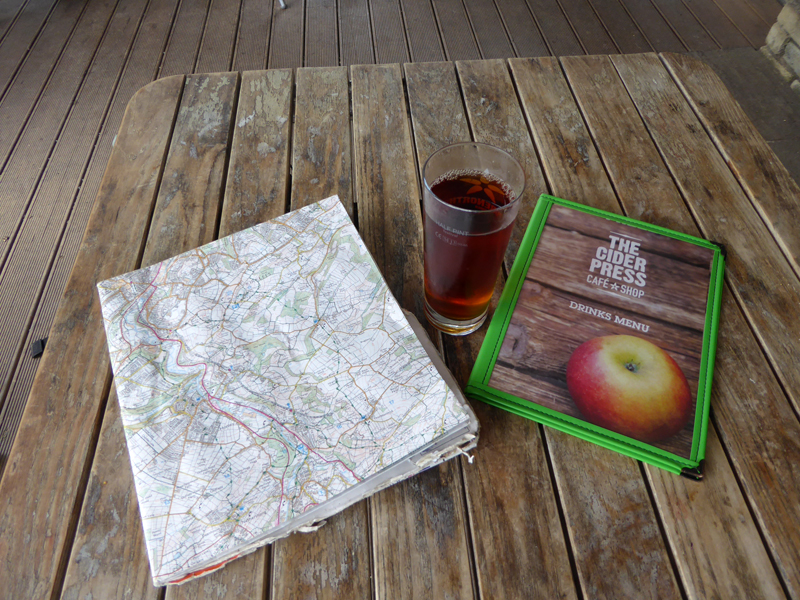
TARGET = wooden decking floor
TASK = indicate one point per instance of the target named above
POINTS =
(69, 67)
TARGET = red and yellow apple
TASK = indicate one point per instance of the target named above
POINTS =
(629, 385)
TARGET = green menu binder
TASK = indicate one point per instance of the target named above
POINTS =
(607, 330)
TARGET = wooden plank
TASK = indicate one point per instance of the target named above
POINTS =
(423, 35)
(457, 37)
(525, 34)
(9, 11)
(286, 40)
(652, 24)
(27, 265)
(573, 161)
(321, 146)
(332, 562)
(746, 20)
(743, 70)
(216, 49)
(768, 10)
(184, 40)
(142, 64)
(188, 204)
(556, 29)
(255, 24)
(256, 190)
(757, 271)
(322, 46)
(109, 557)
(388, 33)
(614, 533)
(771, 189)
(21, 99)
(761, 433)
(622, 29)
(19, 35)
(718, 25)
(523, 553)
(487, 88)
(355, 33)
(418, 528)
(488, 27)
(258, 172)
(685, 25)
(588, 27)
(718, 552)
(44, 481)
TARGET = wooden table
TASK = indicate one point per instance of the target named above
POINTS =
(539, 514)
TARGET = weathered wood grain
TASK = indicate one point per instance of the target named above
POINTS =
(567, 152)
(109, 557)
(44, 480)
(722, 541)
(321, 158)
(619, 550)
(719, 554)
(418, 526)
(758, 273)
(256, 190)
(762, 436)
(510, 472)
(258, 171)
(766, 181)
(495, 120)
(334, 561)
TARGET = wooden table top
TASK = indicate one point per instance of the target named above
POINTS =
(539, 514)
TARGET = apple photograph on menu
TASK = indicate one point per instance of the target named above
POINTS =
(608, 328)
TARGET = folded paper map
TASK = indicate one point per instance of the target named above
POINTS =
(266, 381)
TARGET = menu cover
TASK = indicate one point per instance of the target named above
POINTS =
(266, 381)
(607, 329)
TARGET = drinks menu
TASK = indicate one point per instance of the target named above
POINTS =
(606, 329)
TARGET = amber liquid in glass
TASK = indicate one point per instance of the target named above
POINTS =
(461, 269)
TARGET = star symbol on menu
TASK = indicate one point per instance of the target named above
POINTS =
(615, 286)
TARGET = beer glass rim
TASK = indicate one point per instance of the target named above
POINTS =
(505, 207)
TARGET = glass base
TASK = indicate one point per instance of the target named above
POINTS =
(451, 327)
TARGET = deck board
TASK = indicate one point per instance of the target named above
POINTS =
(62, 80)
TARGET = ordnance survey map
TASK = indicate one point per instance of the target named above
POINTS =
(260, 376)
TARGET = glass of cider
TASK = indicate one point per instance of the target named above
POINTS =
(471, 197)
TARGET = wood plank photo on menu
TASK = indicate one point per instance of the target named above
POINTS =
(608, 313)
